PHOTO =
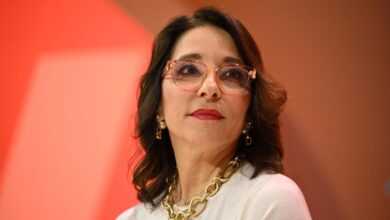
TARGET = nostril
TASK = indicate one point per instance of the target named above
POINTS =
(209, 89)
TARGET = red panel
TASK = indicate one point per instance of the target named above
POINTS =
(67, 76)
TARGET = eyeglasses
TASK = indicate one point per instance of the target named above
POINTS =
(190, 75)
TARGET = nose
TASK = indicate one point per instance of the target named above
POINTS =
(209, 88)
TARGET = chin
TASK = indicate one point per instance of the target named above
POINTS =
(210, 140)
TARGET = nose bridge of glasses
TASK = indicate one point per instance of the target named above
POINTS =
(209, 82)
(211, 74)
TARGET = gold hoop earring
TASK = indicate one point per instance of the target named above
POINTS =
(161, 125)
(248, 138)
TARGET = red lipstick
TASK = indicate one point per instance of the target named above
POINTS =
(207, 114)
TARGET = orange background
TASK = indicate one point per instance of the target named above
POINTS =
(68, 74)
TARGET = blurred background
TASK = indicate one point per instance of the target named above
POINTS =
(68, 76)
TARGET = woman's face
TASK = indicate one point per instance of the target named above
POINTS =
(207, 117)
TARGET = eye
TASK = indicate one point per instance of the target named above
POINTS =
(235, 74)
(187, 69)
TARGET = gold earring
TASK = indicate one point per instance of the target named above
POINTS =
(161, 125)
(248, 138)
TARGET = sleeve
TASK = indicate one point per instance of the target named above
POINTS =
(279, 199)
(126, 215)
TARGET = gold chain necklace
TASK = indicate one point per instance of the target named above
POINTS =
(198, 203)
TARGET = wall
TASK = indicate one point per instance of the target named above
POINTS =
(67, 76)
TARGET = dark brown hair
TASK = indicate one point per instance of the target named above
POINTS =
(154, 172)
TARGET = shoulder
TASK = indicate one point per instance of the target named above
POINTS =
(127, 215)
(139, 212)
(276, 185)
(275, 196)
(272, 185)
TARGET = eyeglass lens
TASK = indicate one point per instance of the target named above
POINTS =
(190, 74)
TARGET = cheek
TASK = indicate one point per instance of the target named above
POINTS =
(172, 103)
(240, 107)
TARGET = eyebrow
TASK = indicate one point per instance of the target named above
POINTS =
(232, 60)
(196, 56)
(191, 56)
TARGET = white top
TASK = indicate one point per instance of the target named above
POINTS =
(267, 196)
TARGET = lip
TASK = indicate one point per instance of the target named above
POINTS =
(207, 114)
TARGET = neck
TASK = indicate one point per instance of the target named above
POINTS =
(197, 168)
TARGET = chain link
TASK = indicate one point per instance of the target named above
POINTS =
(199, 203)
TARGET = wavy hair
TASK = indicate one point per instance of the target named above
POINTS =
(155, 171)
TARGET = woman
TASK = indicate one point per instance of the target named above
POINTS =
(208, 122)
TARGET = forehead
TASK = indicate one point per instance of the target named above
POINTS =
(212, 44)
